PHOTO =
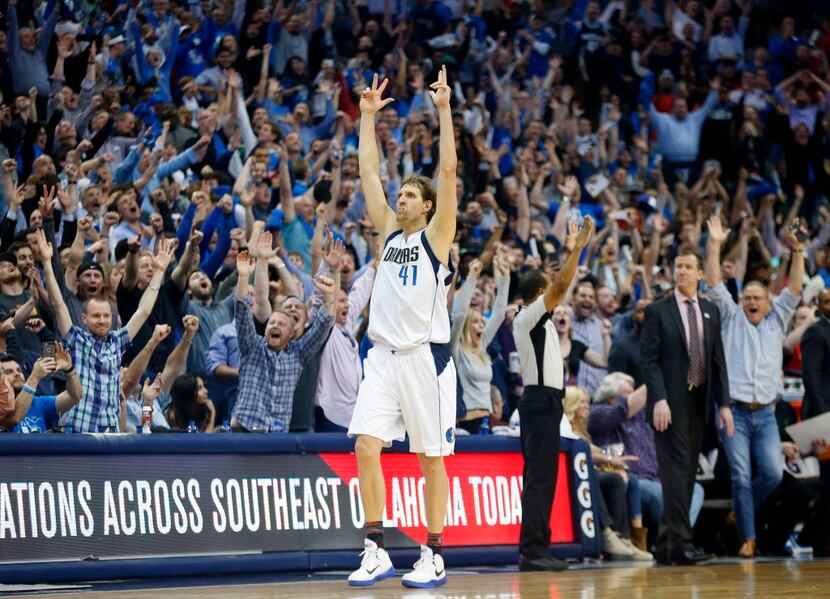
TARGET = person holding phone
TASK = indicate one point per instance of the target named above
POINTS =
(39, 413)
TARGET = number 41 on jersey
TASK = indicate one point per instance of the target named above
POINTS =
(404, 274)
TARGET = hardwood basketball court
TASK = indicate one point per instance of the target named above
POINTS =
(804, 579)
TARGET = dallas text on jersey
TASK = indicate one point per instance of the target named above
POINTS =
(401, 255)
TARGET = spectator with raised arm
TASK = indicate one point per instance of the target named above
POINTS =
(271, 364)
(340, 367)
(753, 339)
(470, 336)
(96, 349)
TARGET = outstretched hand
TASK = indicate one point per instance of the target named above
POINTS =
(716, 231)
(371, 100)
(585, 232)
(442, 92)
(245, 264)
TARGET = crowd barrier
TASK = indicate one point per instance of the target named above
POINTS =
(90, 507)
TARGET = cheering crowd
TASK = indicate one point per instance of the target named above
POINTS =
(185, 243)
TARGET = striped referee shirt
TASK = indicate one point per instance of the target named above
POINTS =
(537, 343)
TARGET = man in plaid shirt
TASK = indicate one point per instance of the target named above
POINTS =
(271, 366)
(96, 352)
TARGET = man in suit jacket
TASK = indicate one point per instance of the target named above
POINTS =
(685, 370)
(815, 370)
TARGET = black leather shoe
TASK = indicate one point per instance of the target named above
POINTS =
(541, 564)
(704, 556)
(688, 557)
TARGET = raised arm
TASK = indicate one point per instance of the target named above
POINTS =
(132, 375)
(43, 367)
(61, 312)
(286, 193)
(461, 303)
(148, 299)
(182, 270)
(501, 270)
(177, 359)
(381, 215)
(441, 229)
(576, 241)
(262, 303)
(74, 393)
(798, 236)
(717, 235)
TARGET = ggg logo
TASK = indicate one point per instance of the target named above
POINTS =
(581, 465)
(586, 522)
(583, 494)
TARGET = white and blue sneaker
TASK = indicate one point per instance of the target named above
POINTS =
(374, 567)
(794, 549)
(428, 571)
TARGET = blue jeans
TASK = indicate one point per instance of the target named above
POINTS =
(756, 440)
(651, 494)
(633, 497)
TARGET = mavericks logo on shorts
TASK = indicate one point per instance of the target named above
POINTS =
(450, 435)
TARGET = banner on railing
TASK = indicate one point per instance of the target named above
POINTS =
(99, 506)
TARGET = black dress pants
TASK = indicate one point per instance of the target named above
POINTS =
(678, 448)
(540, 411)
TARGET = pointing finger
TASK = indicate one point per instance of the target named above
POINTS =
(383, 84)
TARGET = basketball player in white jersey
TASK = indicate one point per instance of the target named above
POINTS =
(410, 381)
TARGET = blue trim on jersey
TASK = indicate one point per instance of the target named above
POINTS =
(391, 237)
(441, 354)
(436, 263)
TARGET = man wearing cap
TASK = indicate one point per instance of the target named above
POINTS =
(96, 349)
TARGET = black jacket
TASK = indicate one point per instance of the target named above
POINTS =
(625, 356)
(665, 358)
(815, 369)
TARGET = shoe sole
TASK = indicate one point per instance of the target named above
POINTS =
(378, 578)
(411, 584)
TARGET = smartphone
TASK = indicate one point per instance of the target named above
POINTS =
(799, 234)
(49, 350)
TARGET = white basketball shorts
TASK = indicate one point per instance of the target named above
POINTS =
(412, 393)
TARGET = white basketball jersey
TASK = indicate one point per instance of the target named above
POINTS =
(409, 299)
